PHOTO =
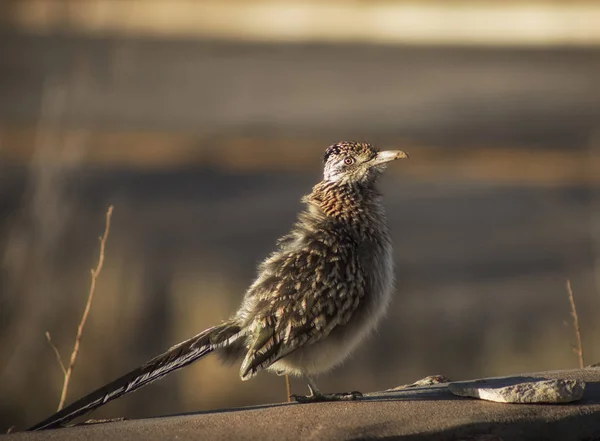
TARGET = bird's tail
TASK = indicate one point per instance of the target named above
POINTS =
(178, 356)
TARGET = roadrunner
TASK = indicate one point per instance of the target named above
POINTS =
(315, 299)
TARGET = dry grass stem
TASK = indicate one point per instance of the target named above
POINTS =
(288, 387)
(579, 349)
(58, 357)
(94, 272)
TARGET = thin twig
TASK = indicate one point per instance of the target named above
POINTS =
(94, 272)
(579, 349)
(288, 388)
(58, 357)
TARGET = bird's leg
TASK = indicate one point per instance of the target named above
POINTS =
(316, 396)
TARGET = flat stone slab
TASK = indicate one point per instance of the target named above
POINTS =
(429, 412)
(513, 390)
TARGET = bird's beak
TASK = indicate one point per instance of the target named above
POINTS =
(387, 156)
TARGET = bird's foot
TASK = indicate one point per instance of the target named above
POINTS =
(320, 397)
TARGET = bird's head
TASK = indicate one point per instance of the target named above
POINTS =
(357, 162)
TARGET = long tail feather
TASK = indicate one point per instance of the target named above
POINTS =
(175, 358)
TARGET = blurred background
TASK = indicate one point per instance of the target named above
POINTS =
(204, 122)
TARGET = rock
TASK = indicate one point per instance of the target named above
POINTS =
(429, 412)
(525, 392)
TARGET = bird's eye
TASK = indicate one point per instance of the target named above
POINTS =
(348, 160)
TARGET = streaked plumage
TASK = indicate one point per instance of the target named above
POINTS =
(316, 297)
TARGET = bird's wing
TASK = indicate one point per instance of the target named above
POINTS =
(302, 296)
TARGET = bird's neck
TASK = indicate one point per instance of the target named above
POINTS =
(351, 203)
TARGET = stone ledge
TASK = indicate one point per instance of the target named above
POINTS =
(418, 412)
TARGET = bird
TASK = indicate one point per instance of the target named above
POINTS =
(315, 298)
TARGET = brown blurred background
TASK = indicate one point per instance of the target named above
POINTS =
(204, 122)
